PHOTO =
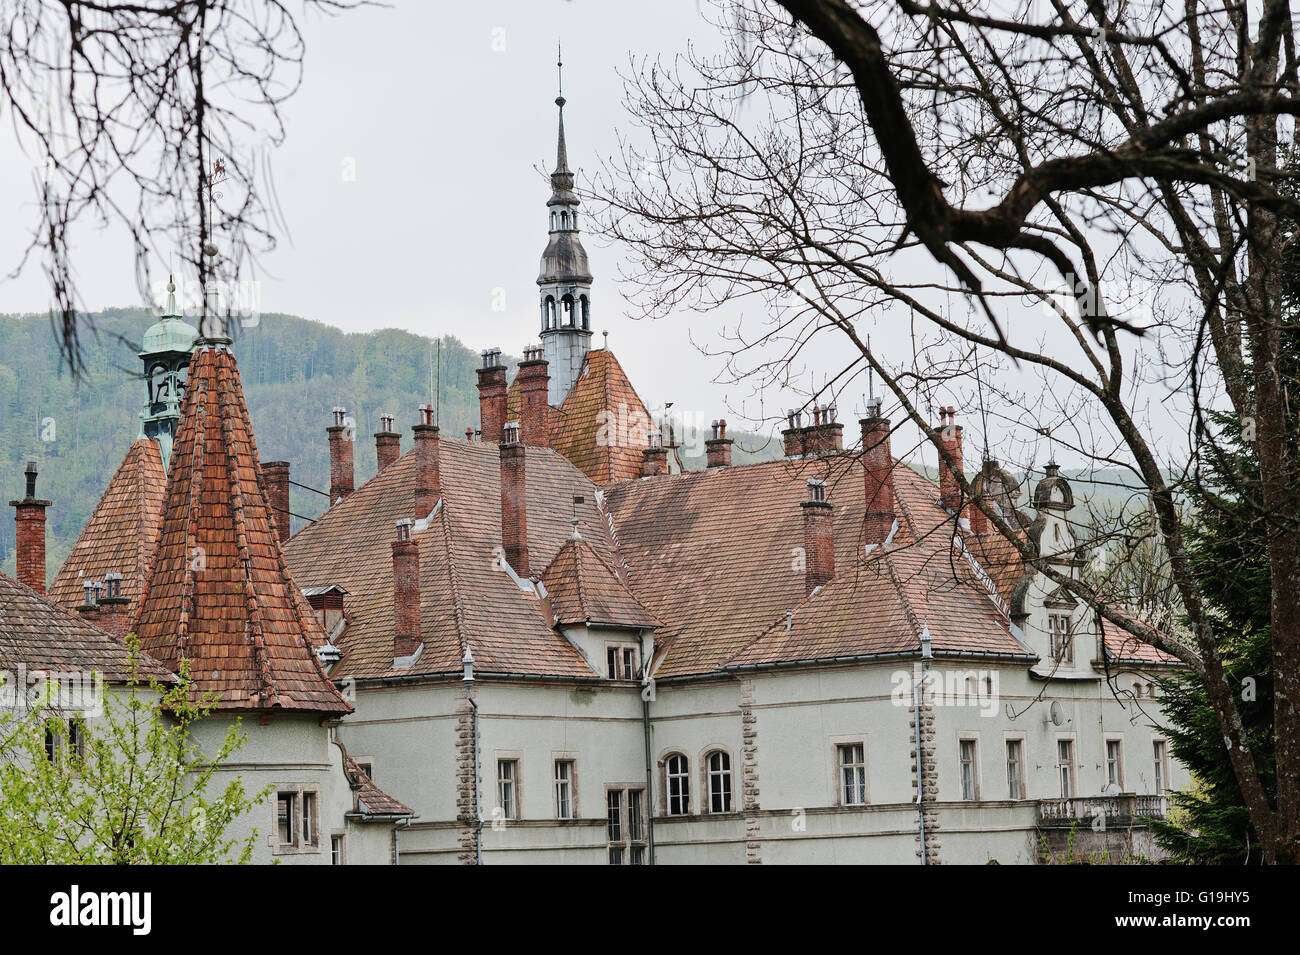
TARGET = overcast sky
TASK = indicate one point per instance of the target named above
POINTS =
(412, 189)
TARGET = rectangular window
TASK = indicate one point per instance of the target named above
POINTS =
(1065, 766)
(969, 770)
(1158, 765)
(336, 850)
(615, 823)
(1062, 639)
(309, 819)
(1114, 764)
(719, 767)
(625, 826)
(1015, 769)
(507, 788)
(622, 660)
(564, 789)
(853, 774)
(286, 817)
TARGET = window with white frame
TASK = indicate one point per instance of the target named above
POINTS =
(622, 661)
(677, 780)
(297, 822)
(625, 825)
(719, 770)
(1160, 765)
(508, 788)
(1115, 763)
(336, 850)
(564, 777)
(1065, 767)
(1058, 625)
(1015, 769)
(853, 774)
(967, 756)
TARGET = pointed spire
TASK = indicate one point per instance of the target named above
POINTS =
(561, 150)
(171, 300)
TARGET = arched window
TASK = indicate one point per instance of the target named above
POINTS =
(566, 305)
(678, 779)
(586, 313)
(552, 221)
(719, 769)
(548, 312)
(564, 220)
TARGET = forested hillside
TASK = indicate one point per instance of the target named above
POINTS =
(294, 372)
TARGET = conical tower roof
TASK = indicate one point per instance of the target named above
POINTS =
(220, 595)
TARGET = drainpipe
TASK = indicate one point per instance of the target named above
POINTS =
(926, 656)
(646, 692)
(468, 663)
(397, 846)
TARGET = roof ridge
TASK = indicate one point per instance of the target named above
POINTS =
(269, 690)
(458, 612)
(904, 601)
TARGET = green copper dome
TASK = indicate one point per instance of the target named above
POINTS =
(168, 334)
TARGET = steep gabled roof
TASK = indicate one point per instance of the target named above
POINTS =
(122, 531)
(370, 799)
(466, 598)
(717, 555)
(219, 594)
(584, 589)
(1124, 648)
(40, 635)
(602, 426)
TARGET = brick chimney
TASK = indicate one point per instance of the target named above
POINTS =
(90, 602)
(113, 607)
(341, 441)
(794, 437)
(534, 380)
(492, 396)
(878, 475)
(428, 486)
(949, 486)
(514, 501)
(818, 536)
(29, 527)
(388, 443)
(275, 485)
(406, 592)
(979, 522)
(827, 433)
(717, 450)
(654, 459)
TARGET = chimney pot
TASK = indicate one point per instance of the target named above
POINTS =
(878, 477)
(492, 396)
(342, 479)
(514, 503)
(818, 537)
(534, 383)
(717, 450)
(406, 592)
(275, 475)
(428, 479)
(29, 531)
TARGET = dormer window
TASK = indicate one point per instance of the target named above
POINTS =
(622, 661)
(1058, 626)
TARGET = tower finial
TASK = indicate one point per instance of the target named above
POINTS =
(559, 70)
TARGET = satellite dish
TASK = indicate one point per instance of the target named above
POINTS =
(1057, 716)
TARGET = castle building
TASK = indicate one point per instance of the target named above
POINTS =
(558, 646)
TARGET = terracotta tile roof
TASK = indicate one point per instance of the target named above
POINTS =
(465, 596)
(583, 589)
(715, 555)
(1123, 647)
(219, 593)
(122, 531)
(370, 799)
(602, 426)
(40, 635)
